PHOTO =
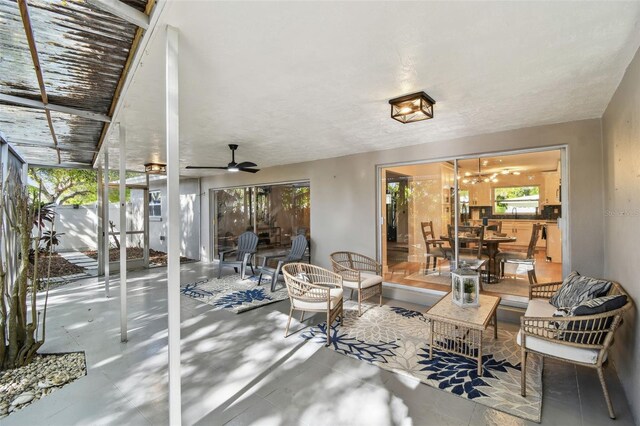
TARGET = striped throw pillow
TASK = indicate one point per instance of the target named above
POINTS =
(577, 288)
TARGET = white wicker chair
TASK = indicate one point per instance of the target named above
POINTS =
(582, 340)
(360, 273)
(313, 289)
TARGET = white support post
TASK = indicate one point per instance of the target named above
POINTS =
(456, 213)
(173, 225)
(105, 223)
(123, 234)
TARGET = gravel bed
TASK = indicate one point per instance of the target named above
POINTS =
(22, 386)
(155, 257)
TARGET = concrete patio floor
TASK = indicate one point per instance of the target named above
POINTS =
(239, 370)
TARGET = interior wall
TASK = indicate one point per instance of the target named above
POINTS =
(343, 189)
(621, 153)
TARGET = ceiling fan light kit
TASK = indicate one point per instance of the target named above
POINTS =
(479, 176)
(245, 166)
(411, 108)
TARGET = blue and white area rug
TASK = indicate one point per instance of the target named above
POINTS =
(235, 294)
(397, 340)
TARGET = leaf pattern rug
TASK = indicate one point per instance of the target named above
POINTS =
(397, 339)
(233, 293)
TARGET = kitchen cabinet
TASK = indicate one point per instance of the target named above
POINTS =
(521, 229)
(551, 188)
(554, 243)
(480, 194)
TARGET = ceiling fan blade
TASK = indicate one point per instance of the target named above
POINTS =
(246, 164)
(243, 169)
(206, 167)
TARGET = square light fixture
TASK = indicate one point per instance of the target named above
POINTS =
(414, 107)
(155, 168)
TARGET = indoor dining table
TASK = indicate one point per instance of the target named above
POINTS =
(491, 243)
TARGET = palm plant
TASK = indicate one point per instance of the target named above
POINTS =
(50, 239)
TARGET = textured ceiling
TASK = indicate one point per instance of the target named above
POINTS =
(292, 82)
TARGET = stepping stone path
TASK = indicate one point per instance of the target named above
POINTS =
(89, 264)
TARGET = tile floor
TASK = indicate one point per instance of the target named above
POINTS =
(239, 370)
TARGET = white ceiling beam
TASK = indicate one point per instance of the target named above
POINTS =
(122, 11)
(17, 100)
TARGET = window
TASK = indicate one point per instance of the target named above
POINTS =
(517, 199)
(155, 204)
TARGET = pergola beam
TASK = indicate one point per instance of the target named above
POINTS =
(60, 147)
(139, 44)
(30, 103)
(26, 22)
(122, 11)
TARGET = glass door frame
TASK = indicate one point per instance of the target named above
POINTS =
(213, 208)
(563, 222)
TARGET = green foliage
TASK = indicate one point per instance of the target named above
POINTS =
(72, 186)
(502, 194)
(51, 239)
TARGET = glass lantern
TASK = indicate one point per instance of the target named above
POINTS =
(465, 287)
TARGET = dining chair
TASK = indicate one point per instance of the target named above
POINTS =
(474, 236)
(527, 259)
(494, 225)
(434, 249)
(247, 246)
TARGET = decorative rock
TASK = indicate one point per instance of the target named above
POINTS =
(59, 379)
(44, 385)
(23, 398)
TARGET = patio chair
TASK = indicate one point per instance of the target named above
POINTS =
(577, 339)
(434, 249)
(360, 273)
(527, 259)
(296, 254)
(313, 289)
(247, 246)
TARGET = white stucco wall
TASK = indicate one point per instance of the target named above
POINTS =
(621, 215)
(343, 198)
(189, 218)
(79, 225)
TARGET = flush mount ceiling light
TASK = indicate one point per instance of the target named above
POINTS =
(155, 168)
(410, 108)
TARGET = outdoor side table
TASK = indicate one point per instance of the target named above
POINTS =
(459, 330)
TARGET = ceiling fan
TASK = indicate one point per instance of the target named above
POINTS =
(245, 166)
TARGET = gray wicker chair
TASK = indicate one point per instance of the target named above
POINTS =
(360, 273)
(581, 340)
(313, 289)
(296, 254)
(247, 246)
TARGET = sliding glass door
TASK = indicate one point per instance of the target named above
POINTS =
(508, 220)
(276, 213)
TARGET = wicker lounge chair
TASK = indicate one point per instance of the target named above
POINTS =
(583, 340)
(360, 273)
(313, 289)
